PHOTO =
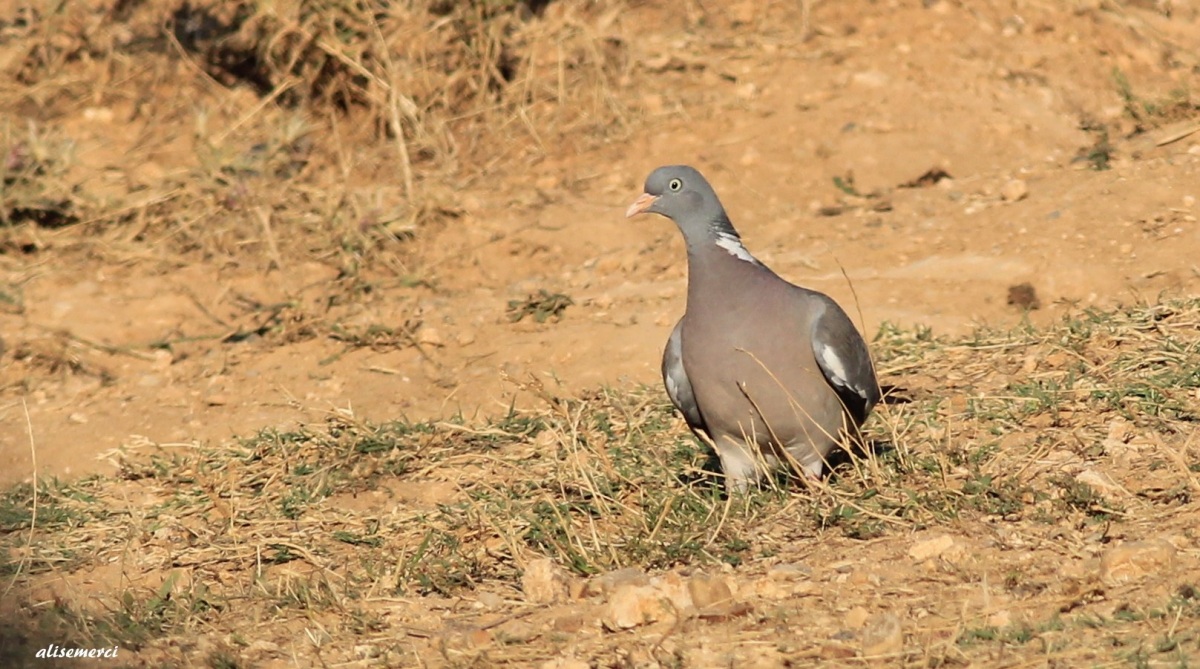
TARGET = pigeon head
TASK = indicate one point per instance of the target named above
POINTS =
(681, 194)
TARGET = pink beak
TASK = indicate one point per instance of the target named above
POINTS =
(640, 205)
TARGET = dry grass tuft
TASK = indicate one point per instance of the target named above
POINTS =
(280, 111)
(1069, 434)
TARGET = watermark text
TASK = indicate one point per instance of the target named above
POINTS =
(55, 651)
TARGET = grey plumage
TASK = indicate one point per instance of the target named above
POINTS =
(764, 371)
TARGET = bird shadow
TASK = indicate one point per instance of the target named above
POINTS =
(868, 448)
(891, 394)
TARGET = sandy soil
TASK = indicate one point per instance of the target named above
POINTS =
(884, 91)
(1008, 99)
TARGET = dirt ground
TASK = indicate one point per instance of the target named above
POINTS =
(189, 257)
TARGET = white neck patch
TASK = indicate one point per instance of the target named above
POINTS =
(735, 248)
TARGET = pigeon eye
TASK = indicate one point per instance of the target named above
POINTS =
(675, 185)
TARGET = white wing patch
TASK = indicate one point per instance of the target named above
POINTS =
(735, 247)
(833, 366)
(672, 389)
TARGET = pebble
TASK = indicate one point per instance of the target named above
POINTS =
(883, 634)
(653, 103)
(571, 621)
(940, 546)
(490, 600)
(666, 597)
(544, 582)
(1101, 483)
(430, 337)
(1001, 618)
(789, 571)
(1132, 561)
(1015, 190)
(707, 591)
(870, 79)
(633, 605)
(856, 617)
(779, 589)
(608, 582)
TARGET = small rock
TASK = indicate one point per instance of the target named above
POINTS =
(517, 631)
(1013, 25)
(98, 114)
(490, 600)
(856, 617)
(79, 418)
(653, 103)
(1015, 190)
(544, 582)
(571, 621)
(1131, 561)
(163, 359)
(565, 663)
(725, 612)
(1100, 482)
(707, 591)
(869, 79)
(634, 605)
(1120, 432)
(789, 572)
(744, 13)
(748, 91)
(842, 566)
(465, 338)
(365, 651)
(150, 380)
(863, 577)
(775, 589)
(430, 337)
(1001, 618)
(936, 547)
(606, 583)
(882, 635)
(669, 62)
(675, 590)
